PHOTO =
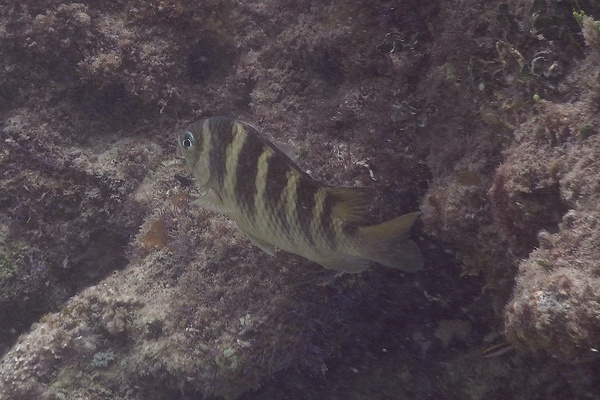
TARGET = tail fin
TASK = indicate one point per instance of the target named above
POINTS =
(389, 244)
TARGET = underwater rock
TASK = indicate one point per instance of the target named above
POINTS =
(432, 103)
(549, 184)
(556, 303)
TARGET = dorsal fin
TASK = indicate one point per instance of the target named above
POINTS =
(288, 149)
(352, 203)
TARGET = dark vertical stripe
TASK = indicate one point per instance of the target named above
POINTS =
(276, 182)
(305, 204)
(327, 219)
(221, 133)
(350, 229)
(247, 166)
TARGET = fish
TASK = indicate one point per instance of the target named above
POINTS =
(279, 206)
(498, 349)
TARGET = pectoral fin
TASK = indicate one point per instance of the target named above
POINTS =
(211, 201)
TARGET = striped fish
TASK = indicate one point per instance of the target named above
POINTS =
(276, 204)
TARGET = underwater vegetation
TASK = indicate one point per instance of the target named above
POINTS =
(484, 117)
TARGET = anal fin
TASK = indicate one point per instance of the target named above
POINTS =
(389, 244)
(261, 244)
(348, 264)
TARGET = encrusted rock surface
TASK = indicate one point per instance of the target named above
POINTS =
(483, 116)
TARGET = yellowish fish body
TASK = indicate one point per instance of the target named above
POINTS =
(276, 204)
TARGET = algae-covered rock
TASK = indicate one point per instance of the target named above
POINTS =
(483, 116)
(556, 304)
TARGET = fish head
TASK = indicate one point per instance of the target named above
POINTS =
(190, 144)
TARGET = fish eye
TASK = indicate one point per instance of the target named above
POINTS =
(187, 140)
